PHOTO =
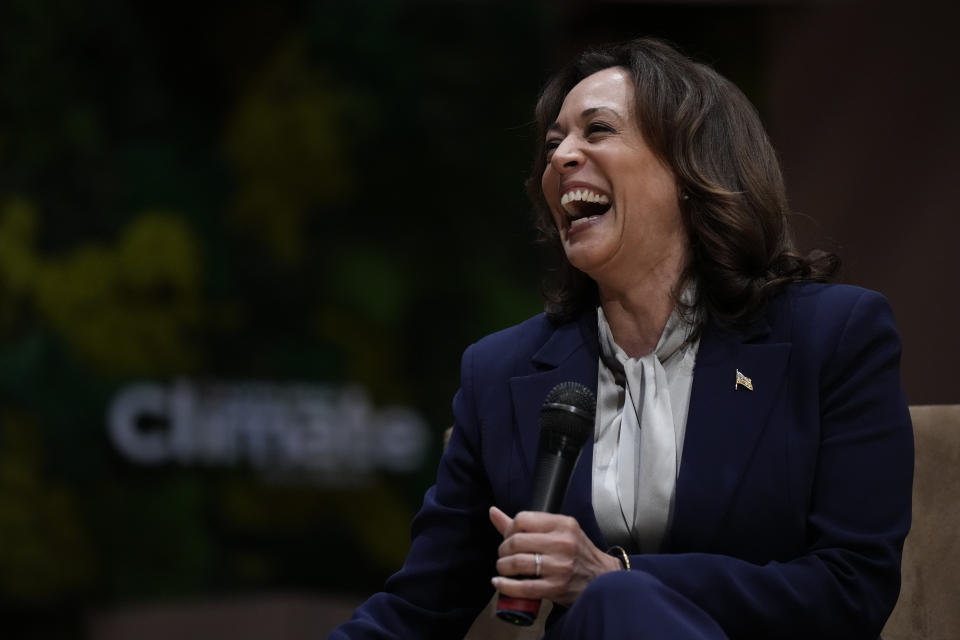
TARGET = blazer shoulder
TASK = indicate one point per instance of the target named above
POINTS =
(821, 314)
(831, 297)
(513, 346)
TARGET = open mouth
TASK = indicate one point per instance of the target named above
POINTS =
(581, 204)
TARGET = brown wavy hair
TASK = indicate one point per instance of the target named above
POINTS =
(734, 204)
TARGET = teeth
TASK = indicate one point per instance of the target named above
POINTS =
(582, 195)
(579, 221)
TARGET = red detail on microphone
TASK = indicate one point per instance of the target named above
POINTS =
(506, 603)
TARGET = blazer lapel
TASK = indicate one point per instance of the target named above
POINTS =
(724, 423)
(570, 354)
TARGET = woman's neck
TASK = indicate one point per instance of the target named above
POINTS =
(638, 312)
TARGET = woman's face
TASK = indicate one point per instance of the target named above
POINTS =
(614, 202)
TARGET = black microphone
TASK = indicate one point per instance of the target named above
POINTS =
(566, 421)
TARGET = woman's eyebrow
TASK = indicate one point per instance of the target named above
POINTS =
(586, 113)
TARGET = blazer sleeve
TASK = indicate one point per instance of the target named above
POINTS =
(444, 582)
(846, 582)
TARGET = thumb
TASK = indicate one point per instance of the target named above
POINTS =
(500, 520)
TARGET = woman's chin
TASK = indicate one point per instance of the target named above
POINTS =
(585, 256)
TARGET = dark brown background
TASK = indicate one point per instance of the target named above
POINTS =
(864, 106)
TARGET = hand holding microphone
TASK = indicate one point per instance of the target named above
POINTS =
(535, 538)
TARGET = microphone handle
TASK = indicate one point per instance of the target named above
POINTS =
(552, 474)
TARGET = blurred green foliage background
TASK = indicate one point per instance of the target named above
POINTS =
(287, 191)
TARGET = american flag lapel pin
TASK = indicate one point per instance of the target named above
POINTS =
(743, 381)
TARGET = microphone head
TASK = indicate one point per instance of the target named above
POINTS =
(568, 411)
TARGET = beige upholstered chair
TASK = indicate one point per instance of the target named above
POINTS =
(929, 606)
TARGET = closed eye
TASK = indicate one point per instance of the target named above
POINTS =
(550, 146)
(591, 131)
(598, 128)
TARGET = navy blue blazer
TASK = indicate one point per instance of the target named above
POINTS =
(792, 503)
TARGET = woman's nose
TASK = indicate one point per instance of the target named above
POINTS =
(567, 155)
